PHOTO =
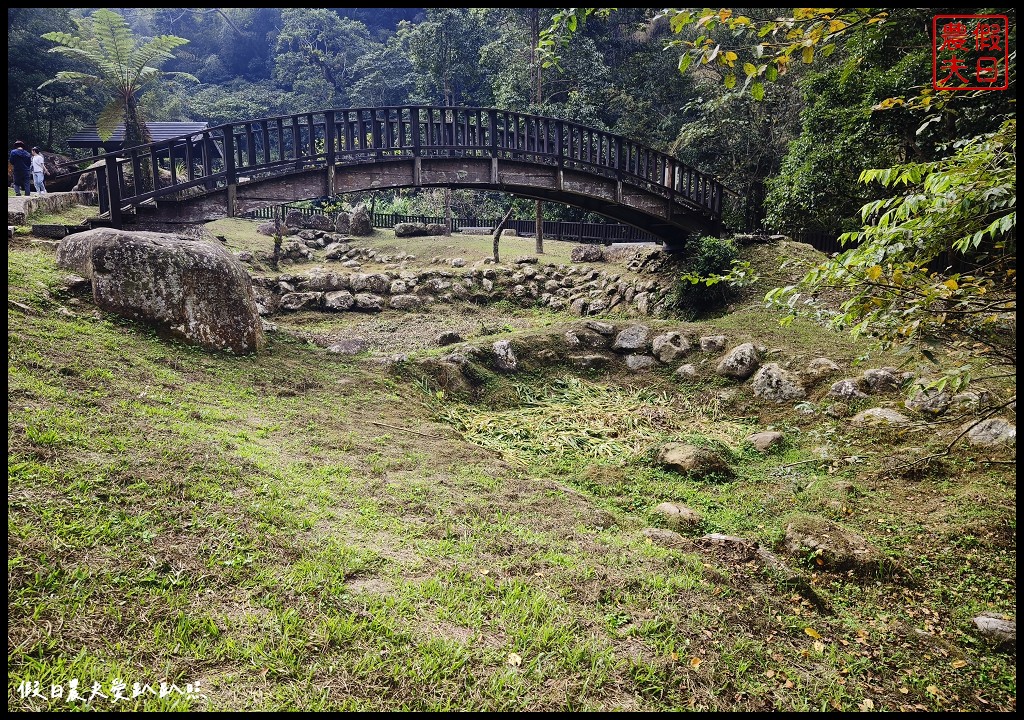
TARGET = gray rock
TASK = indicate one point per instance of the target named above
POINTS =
(339, 300)
(639, 362)
(773, 383)
(713, 343)
(882, 380)
(369, 302)
(821, 367)
(929, 402)
(765, 440)
(846, 389)
(833, 547)
(449, 337)
(992, 432)
(348, 346)
(690, 459)
(740, 363)
(686, 372)
(879, 416)
(411, 229)
(301, 301)
(998, 628)
(360, 223)
(337, 252)
(342, 223)
(670, 346)
(664, 538)
(404, 302)
(679, 516)
(589, 362)
(325, 282)
(632, 338)
(601, 328)
(504, 356)
(587, 254)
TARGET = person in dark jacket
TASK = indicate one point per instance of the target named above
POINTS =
(21, 164)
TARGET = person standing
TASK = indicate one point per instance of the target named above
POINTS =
(21, 165)
(39, 171)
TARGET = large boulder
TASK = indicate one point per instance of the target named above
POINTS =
(410, 229)
(360, 223)
(193, 290)
(587, 254)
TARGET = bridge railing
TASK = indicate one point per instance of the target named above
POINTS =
(267, 147)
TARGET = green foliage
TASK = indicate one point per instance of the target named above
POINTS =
(775, 45)
(123, 66)
(445, 53)
(315, 53)
(936, 260)
(40, 116)
(713, 274)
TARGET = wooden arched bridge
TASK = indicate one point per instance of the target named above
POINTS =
(236, 168)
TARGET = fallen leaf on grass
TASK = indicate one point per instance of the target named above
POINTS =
(695, 662)
(514, 659)
(958, 664)
(812, 632)
(819, 646)
(867, 704)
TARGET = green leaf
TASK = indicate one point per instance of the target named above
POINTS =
(730, 81)
(750, 69)
(807, 54)
(684, 62)
(757, 91)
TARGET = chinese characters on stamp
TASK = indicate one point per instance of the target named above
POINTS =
(969, 52)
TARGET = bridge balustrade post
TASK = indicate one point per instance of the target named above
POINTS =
(330, 134)
(230, 174)
(492, 118)
(559, 135)
(101, 189)
(415, 112)
(207, 160)
(113, 190)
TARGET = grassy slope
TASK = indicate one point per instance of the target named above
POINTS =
(305, 532)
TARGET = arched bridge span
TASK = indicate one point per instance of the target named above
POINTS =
(238, 167)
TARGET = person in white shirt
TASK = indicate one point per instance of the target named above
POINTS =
(39, 171)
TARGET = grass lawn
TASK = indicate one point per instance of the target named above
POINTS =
(302, 531)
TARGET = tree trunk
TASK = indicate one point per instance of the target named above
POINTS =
(136, 133)
(540, 228)
(498, 230)
(447, 211)
(538, 96)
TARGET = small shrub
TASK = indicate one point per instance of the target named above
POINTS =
(712, 275)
